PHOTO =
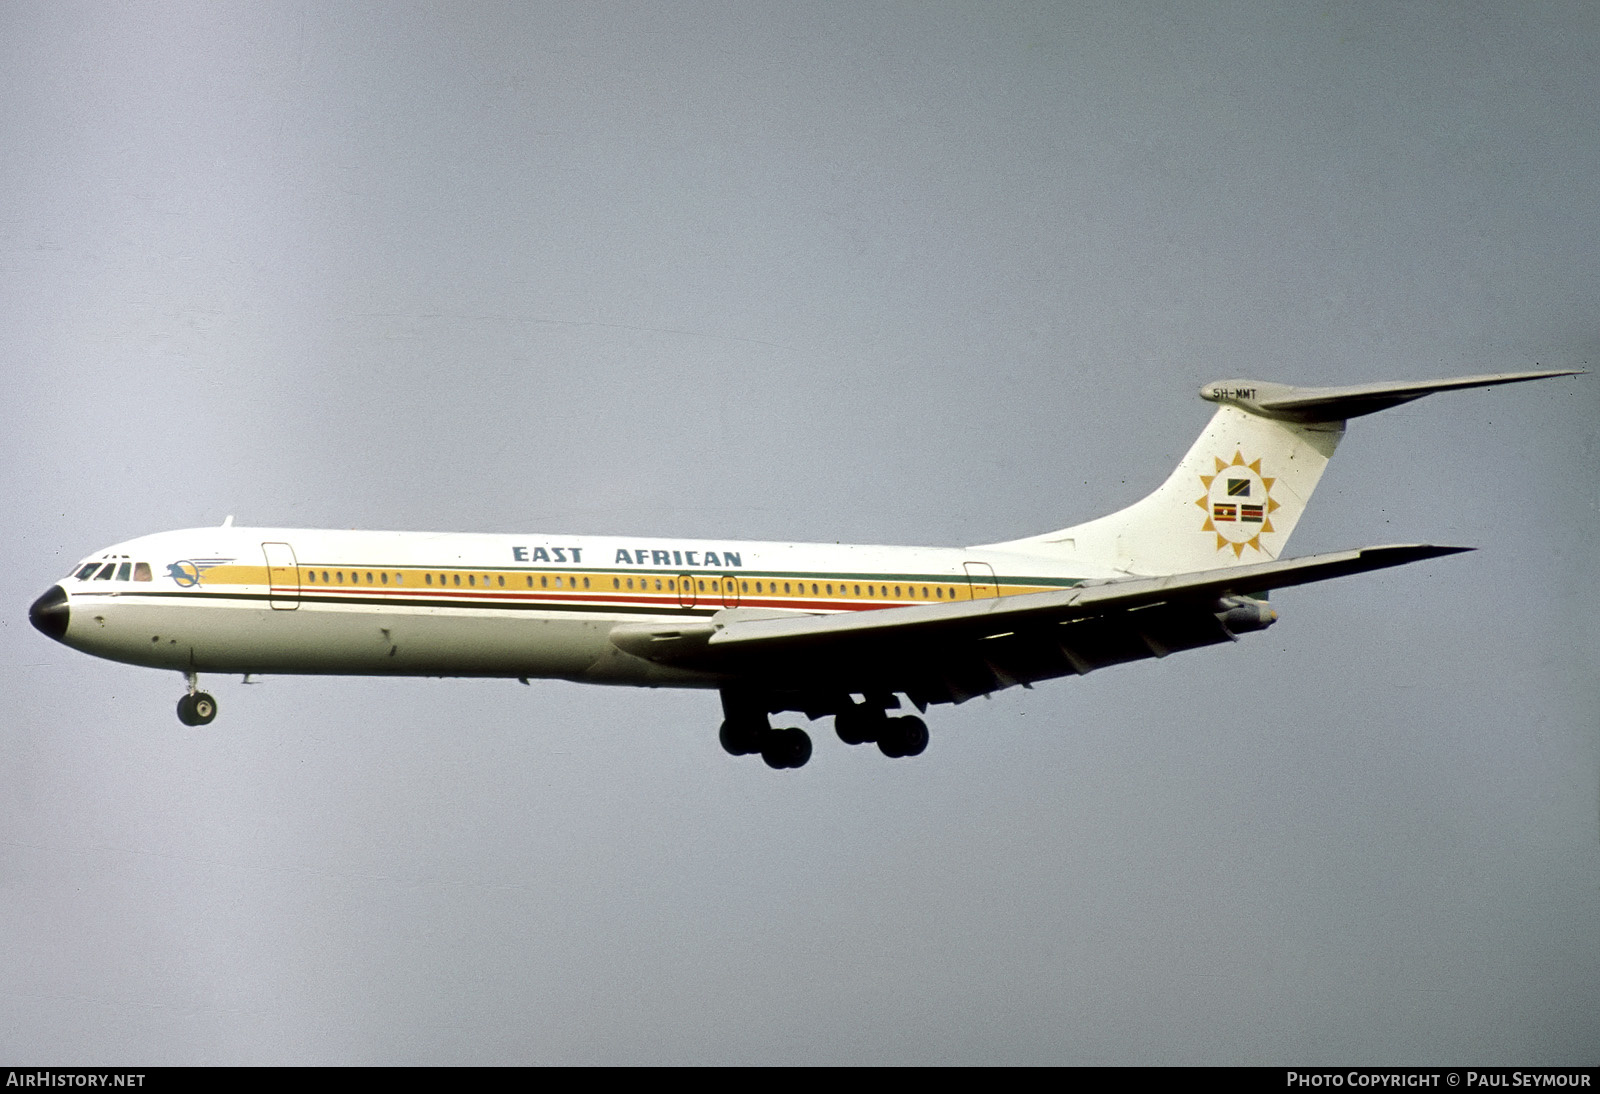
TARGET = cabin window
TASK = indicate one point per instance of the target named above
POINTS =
(585, 583)
(385, 578)
(457, 577)
(369, 577)
(744, 586)
(502, 580)
(785, 586)
(939, 593)
(544, 582)
(672, 585)
(702, 585)
(630, 583)
(829, 588)
(616, 583)
(428, 578)
(311, 576)
(340, 575)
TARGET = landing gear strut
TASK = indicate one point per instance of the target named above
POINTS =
(196, 708)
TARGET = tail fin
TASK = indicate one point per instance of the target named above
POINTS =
(1241, 489)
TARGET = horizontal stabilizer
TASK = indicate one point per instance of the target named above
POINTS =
(1336, 404)
(1004, 614)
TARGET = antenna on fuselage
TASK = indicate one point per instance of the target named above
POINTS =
(228, 521)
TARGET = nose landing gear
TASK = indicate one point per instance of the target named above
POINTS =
(196, 708)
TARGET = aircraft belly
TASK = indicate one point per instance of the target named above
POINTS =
(240, 636)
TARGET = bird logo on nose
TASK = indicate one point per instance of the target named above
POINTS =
(187, 572)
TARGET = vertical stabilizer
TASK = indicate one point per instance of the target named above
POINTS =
(1233, 499)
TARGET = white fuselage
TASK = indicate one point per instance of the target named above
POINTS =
(275, 600)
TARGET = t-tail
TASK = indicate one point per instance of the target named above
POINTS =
(1239, 492)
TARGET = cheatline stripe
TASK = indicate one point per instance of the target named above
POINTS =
(480, 600)
(595, 600)
(707, 575)
(519, 602)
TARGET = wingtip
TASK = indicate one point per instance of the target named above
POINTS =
(1415, 552)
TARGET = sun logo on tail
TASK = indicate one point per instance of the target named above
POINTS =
(1238, 504)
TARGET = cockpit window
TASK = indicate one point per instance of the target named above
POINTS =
(106, 572)
(124, 571)
(141, 571)
(83, 574)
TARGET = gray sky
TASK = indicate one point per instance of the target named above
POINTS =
(871, 273)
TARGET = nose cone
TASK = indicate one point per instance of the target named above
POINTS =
(50, 613)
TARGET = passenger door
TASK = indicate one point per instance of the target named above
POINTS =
(283, 576)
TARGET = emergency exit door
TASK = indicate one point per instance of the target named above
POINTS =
(980, 576)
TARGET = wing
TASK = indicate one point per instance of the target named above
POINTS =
(952, 652)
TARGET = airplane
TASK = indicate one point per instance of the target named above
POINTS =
(813, 628)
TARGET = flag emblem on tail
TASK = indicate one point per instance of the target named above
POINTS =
(1236, 522)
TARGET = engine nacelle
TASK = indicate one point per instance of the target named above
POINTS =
(1241, 614)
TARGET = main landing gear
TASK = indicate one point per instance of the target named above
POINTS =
(780, 748)
(196, 708)
(746, 731)
(895, 737)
